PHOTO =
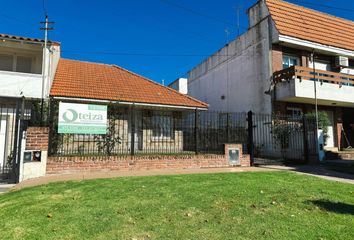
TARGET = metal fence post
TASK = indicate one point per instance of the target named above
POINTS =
(250, 136)
(51, 126)
(132, 132)
(196, 130)
(18, 139)
(305, 134)
(228, 128)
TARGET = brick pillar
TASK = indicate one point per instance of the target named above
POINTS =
(37, 138)
(277, 58)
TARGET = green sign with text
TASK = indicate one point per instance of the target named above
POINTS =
(82, 118)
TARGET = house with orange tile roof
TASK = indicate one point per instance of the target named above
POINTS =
(146, 116)
(291, 59)
(139, 114)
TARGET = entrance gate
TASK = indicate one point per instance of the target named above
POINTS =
(281, 138)
(11, 131)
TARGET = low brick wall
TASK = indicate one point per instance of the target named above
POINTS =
(56, 165)
(37, 138)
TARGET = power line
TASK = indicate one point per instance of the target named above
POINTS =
(199, 13)
(144, 54)
(15, 19)
(173, 27)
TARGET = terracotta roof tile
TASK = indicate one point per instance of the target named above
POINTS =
(307, 24)
(108, 82)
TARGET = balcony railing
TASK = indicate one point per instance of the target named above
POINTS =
(304, 73)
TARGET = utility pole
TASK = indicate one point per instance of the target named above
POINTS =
(46, 28)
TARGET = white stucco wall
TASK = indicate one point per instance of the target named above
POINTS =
(240, 72)
(15, 84)
(302, 91)
(31, 170)
(28, 85)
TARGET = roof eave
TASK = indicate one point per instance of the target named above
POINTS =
(314, 45)
(160, 105)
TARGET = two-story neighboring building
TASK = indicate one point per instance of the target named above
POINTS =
(24, 75)
(22, 66)
(271, 68)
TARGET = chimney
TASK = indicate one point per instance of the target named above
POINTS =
(180, 85)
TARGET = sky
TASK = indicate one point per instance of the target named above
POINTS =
(159, 39)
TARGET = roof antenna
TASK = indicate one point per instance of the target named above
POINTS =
(227, 32)
(44, 8)
(237, 9)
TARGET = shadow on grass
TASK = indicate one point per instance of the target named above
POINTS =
(336, 207)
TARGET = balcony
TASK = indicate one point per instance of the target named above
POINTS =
(16, 84)
(296, 84)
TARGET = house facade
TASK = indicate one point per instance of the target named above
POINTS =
(271, 68)
(144, 116)
(24, 77)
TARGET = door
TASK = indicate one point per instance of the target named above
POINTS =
(330, 138)
(2, 143)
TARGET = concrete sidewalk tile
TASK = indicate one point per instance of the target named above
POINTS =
(113, 174)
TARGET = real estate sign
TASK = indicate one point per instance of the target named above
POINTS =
(82, 118)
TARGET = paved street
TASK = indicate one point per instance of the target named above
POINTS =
(4, 187)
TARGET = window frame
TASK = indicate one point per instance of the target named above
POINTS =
(158, 117)
(289, 58)
(14, 56)
(293, 109)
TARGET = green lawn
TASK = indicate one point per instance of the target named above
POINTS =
(268, 205)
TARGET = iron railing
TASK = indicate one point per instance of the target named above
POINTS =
(135, 131)
(153, 131)
(305, 73)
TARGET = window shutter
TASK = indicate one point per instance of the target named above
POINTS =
(6, 62)
(24, 64)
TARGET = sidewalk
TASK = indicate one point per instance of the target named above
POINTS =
(4, 187)
(315, 170)
(318, 171)
(113, 174)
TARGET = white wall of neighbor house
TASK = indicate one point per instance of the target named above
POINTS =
(238, 76)
(52, 58)
(21, 66)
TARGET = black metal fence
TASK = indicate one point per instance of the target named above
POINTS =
(133, 131)
(15, 115)
(283, 138)
(153, 131)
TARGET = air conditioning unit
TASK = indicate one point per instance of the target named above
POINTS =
(342, 61)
